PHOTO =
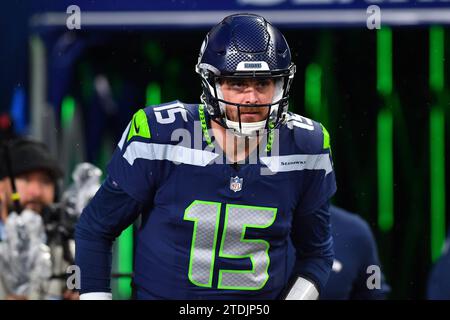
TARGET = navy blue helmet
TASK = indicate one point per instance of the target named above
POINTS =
(245, 46)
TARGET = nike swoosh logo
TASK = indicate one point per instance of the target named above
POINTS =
(136, 128)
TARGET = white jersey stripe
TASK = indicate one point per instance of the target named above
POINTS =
(178, 154)
(296, 162)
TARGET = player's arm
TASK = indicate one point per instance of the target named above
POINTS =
(129, 187)
(313, 241)
(311, 230)
(110, 211)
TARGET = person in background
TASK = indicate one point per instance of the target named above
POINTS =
(355, 250)
(28, 189)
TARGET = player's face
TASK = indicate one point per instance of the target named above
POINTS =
(36, 190)
(248, 91)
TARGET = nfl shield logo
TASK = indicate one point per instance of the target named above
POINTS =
(236, 184)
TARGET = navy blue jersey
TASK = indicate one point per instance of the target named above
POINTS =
(212, 230)
(354, 251)
(439, 279)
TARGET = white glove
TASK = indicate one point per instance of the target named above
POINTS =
(303, 290)
(96, 296)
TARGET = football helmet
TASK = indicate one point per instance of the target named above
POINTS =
(245, 46)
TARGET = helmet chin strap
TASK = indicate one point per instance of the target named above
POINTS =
(248, 128)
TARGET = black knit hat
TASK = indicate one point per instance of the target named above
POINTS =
(27, 155)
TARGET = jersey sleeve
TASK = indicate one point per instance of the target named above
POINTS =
(312, 239)
(311, 230)
(319, 183)
(119, 201)
(108, 213)
(133, 166)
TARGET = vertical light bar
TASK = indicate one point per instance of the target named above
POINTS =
(384, 61)
(436, 59)
(38, 98)
(437, 143)
(18, 110)
(313, 90)
(154, 53)
(125, 263)
(67, 111)
(153, 94)
(385, 170)
(385, 132)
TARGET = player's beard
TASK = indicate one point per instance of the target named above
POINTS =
(247, 114)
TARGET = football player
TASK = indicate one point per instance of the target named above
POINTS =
(217, 209)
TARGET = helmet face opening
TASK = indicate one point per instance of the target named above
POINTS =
(245, 46)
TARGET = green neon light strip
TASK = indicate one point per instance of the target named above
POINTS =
(436, 58)
(67, 111)
(437, 181)
(153, 94)
(125, 265)
(384, 61)
(384, 131)
(385, 170)
(154, 53)
(313, 90)
(437, 144)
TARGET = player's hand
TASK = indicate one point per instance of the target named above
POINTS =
(302, 289)
(96, 296)
(71, 295)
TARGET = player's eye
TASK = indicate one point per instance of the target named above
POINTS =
(237, 84)
(263, 83)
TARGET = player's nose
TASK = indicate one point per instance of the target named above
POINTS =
(251, 95)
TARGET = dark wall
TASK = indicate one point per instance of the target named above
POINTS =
(13, 49)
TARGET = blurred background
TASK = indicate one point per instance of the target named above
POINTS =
(383, 95)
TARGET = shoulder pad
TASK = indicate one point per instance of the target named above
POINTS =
(156, 123)
(310, 136)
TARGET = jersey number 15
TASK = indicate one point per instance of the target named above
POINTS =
(233, 245)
